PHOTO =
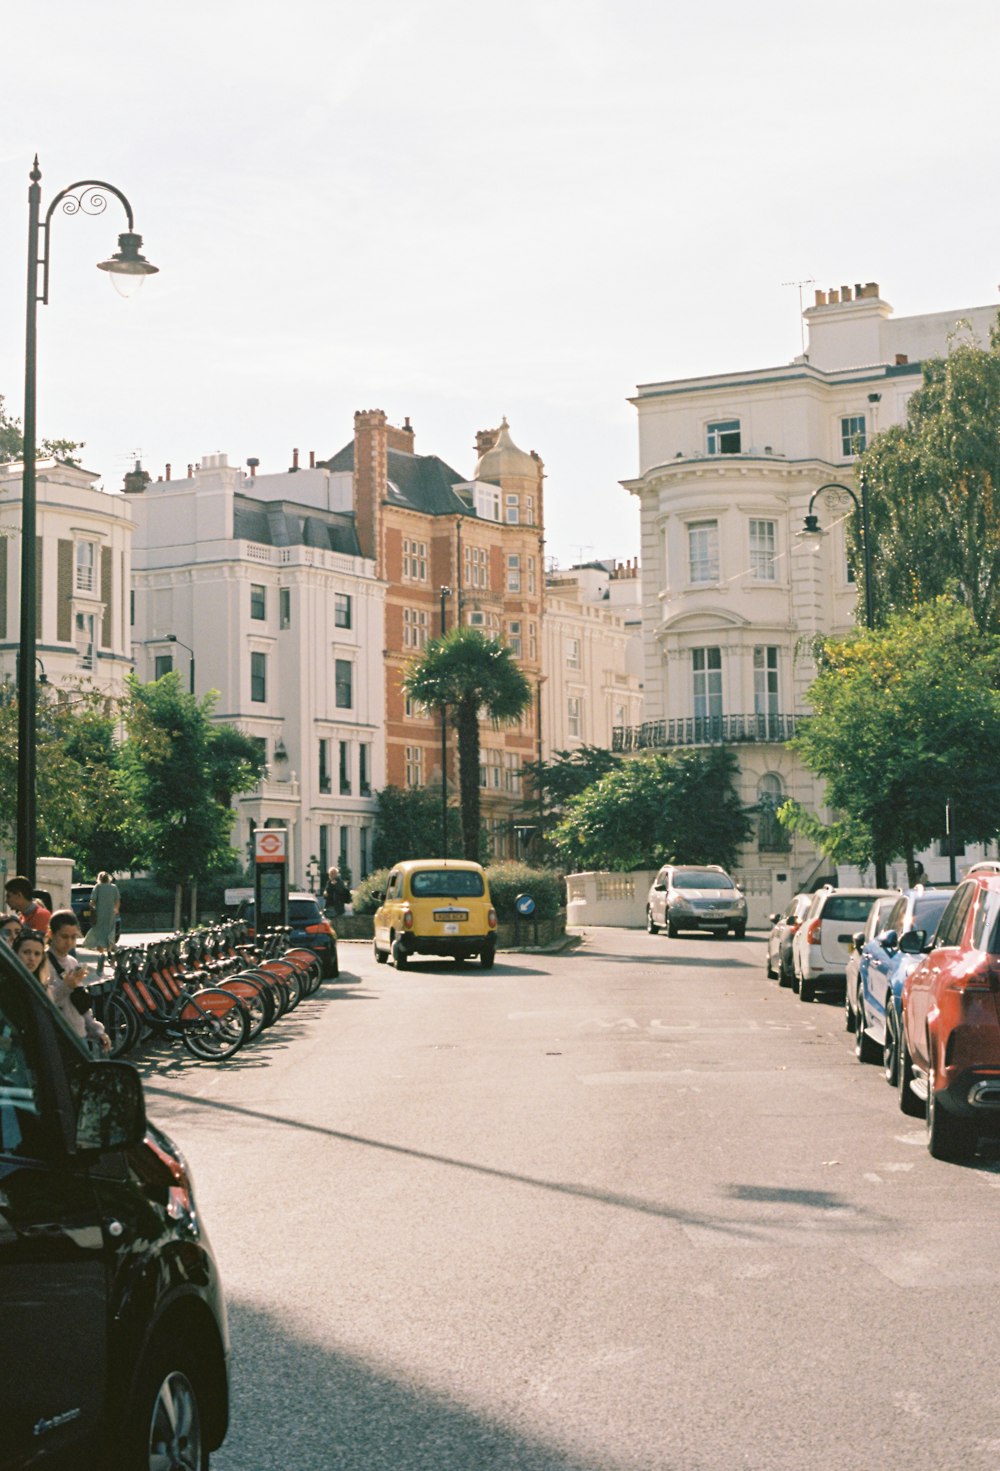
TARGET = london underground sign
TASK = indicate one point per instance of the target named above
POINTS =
(271, 845)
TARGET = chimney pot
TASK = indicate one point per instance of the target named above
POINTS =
(845, 293)
(820, 297)
(901, 358)
(833, 296)
(190, 471)
(168, 472)
(312, 459)
(295, 460)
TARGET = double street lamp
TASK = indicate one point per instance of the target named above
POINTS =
(811, 527)
(127, 268)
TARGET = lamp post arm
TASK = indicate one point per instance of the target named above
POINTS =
(86, 196)
(861, 506)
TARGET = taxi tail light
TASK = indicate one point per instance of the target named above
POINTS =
(491, 919)
(814, 932)
(407, 919)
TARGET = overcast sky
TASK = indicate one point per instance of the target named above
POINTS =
(455, 211)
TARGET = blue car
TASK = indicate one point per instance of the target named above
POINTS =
(883, 969)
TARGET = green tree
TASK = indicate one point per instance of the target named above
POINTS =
(83, 812)
(934, 490)
(904, 718)
(182, 771)
(469, 674)
(408, 825)
(679, 807)
(12, 441)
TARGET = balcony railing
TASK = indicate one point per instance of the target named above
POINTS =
(704, 730)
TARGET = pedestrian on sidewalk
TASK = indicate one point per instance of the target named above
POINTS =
(67, 976)
(336, 895)
(105, 905)
(21, 898)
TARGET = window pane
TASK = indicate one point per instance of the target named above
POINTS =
(762, 550)
(724, 437)
(344, 683)
(258, 601)
(703, 551)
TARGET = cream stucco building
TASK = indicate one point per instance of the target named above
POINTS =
(591, 655)
(732, 596)
(255, 586)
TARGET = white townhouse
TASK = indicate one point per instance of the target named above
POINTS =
(591, 655)
(82, 551)
(732, 596)
(255, 586)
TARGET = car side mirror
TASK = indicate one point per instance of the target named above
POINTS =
(111, 1113)
(774, 918)
(660, 888)
(858, 939)
(913, 942)
(890, 940)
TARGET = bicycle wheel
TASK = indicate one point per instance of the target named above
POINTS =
(255, 997)
(214, 1024)
(121, 1025)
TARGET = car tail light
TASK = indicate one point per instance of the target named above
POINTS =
(323, 928)
(984, 977)
(793, 926)
(491, 919)
(814, 932)
(407, 919)
(180, 1195)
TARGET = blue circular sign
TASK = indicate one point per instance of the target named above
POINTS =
(525, 905)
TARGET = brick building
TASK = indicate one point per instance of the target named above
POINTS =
(465, 550)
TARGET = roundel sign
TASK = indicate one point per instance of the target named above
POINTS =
(270, 844)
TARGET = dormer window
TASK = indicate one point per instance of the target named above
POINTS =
(724, 437)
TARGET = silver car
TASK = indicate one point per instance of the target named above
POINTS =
(695, 897)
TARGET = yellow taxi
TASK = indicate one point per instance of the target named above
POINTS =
(436, 906)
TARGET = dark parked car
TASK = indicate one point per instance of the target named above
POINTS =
(114, 1326)
(310, 929)
(79, 898)
(779, 941)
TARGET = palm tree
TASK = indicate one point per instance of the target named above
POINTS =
(469, 675)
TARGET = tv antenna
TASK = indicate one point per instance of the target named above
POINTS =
(807, 281)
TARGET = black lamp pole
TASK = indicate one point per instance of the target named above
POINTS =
(127, 269)
(171, 638)
(811, 527)
(445, 594)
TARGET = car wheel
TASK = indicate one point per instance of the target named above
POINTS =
(672, 930)
(487, 956)
(909, 1103)
(865, 1049)
(399, 955)
(794, 982)
(850, 1021)
(890, 1048)
(381, 956)
(768, 967)
(948, 1137)
(807, 989)
(165, 1423)
(652, 928)
(739, 931)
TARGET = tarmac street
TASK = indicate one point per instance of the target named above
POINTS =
(627, 1208)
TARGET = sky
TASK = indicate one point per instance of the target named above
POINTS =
(459, 211)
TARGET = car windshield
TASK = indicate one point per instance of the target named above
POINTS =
(702, 878)
(304, 909)
(447, 883)
(853, 907)
(929, 908)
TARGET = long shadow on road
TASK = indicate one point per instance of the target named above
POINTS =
(301, 1406)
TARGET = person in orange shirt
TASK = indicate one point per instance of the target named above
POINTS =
(22, 901)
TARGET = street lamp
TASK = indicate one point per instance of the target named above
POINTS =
(445, 594)
(171, 638)
(127, 269)
(811, 527)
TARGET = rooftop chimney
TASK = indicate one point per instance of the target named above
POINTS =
(252, 463)
(293, 467)
(136, 480)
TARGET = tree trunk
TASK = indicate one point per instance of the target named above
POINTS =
(194, 905)
(178, 896)
(467, 725)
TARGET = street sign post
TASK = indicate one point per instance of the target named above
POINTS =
(270, 878)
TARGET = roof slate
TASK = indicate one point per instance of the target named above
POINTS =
(421, 482)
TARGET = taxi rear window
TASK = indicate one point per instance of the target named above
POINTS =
(445, 883)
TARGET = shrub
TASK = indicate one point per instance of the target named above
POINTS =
(507, 880)
(368, 894)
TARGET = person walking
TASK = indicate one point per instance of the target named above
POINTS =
(105, 906)
(336, 895)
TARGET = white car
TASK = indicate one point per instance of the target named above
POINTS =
(822, 944)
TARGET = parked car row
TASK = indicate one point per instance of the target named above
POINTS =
(921, 983)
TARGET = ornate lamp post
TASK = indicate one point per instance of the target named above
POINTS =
(171, 638)
(127, 269)
(811, 527)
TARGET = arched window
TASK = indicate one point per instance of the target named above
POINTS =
(771, 836)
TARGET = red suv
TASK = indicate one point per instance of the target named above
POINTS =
(950, 1051)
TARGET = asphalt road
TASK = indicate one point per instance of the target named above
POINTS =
(628, 1207)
